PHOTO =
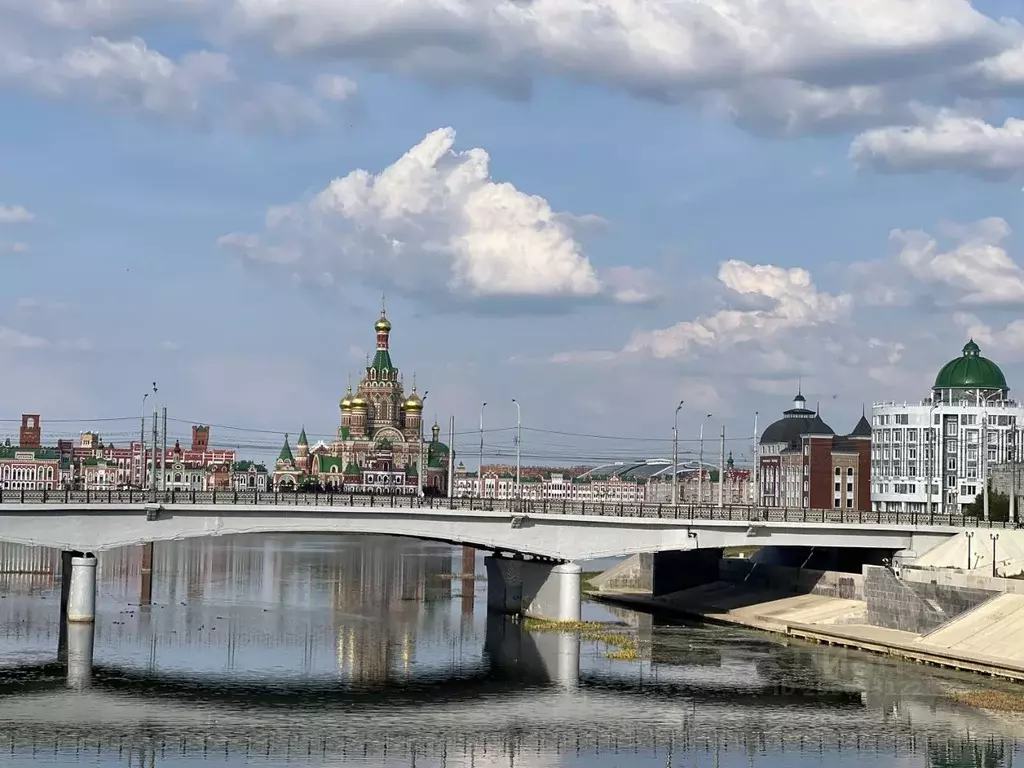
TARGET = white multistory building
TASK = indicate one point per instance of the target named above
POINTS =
(935, 455)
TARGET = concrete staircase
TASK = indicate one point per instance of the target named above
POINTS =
(992, 629)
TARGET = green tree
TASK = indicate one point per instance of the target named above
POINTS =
(998, 506)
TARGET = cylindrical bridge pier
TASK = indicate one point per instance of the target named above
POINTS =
(81, 593)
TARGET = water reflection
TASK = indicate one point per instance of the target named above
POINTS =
(337, 651)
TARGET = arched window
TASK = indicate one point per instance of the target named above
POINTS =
(849, 471)
(838, 471)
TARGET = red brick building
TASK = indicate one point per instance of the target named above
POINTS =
(802, 462)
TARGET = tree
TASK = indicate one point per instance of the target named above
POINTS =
(998, 506)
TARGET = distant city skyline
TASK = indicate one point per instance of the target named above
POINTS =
(596, 220)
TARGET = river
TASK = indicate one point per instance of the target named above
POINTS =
(371, 651)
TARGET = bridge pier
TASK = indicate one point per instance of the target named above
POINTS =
(533, 588)
(79, 603)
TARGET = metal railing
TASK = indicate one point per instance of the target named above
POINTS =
(737, 512)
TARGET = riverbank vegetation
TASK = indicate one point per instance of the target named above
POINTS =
(999, 701)
(618, 642)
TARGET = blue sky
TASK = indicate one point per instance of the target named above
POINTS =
(604, 206)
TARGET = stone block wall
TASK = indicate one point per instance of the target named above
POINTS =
(914, 606)
(801, 581)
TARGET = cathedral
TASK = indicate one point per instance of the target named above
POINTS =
(380, 444)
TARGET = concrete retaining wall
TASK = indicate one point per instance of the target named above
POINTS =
(915, 606)
(848, 586)
(962, 579)
(634, 574)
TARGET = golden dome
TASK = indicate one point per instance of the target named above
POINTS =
(358, 402)
(414, 403)
(383, 324)
(346, 401)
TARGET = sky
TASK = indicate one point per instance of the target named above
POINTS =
(599, 208)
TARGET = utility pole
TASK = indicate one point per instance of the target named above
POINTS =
(721, 472)
(480, 471)
(451, 458)
(156, 429)
(142, 445)
(984, 464)
(757, 466)
(700, 462)
(675, 455)
(931, 456)
(519, 449)
(421, 474)
(163, 455)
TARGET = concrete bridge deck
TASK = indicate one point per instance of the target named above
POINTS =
(282, 500)
(548, 534)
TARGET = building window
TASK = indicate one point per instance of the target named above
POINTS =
(849, 502)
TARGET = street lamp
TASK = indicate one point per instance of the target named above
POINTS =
(421, 472)
(519, 448)
(675, 455)
(480, 471)
(142, 445)
(700, 464)
(969, 535)
(995, 538)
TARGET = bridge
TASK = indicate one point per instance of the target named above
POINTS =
(537, 545)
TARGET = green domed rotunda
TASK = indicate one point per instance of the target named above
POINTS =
(970, 376)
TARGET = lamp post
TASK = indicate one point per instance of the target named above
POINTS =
(480, 471)
(519, 448)
(421, 471)
(757, 462)
(995, 538)
(969, 535)
(700, 463)
(675, 455)
(142, 445)
(156, 416)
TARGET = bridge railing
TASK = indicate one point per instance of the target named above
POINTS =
(299, 499)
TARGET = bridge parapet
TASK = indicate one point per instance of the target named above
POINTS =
(96, 500)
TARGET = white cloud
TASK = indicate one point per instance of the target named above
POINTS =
(791, 107)
(123, 73)
(795, 302)
(656, 46)
(335, 87)
(949, 143)
(102, 14)
(9, 337)
(432, 221)
(29, 303)
(15, 214)
(277, 106)
(1008, 341)
(977, 269)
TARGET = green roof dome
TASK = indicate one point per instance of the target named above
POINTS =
(971, 371)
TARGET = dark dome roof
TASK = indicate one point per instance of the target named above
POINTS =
(790, 429)
(863, 428)
(971, 371)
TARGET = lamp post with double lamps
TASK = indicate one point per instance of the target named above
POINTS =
(675, 455)
(422, 472)
(480, 471)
